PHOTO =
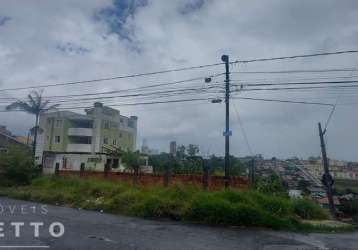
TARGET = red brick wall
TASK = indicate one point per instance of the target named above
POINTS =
(215, 182)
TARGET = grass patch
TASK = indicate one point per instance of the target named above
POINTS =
(233, 208)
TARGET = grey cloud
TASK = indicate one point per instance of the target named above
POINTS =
(140, 36)
(70, 48)
(4, 20)
(191, 6)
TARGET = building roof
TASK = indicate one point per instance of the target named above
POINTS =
(324, 201)
(69, 114)
(13, 139)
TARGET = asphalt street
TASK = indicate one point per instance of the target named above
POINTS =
(95, 230)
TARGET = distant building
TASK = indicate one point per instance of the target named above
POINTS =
(295, 194)
(6, 140)
(72, 141)
(24, 139)
(4, 131)
(338, 169)
(173, 147)
(323, 202)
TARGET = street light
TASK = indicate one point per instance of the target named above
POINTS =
(217, 100)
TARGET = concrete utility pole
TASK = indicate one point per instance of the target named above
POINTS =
(326, 178)
(227, 133)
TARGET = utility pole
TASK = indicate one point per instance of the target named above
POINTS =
(326, 178)
(252, 172)
(227, 133)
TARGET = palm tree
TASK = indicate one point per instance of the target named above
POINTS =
(36, 105)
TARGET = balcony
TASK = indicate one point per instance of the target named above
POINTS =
(80, 131)
(83, 148)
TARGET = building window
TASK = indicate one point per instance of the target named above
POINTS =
(106, 124)
(94, 160)
(114, 125)
(131, 124)
(58, 123)
(105, 140)
(3, 150)
(57, 139)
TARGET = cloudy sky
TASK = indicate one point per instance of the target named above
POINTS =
(45, 42)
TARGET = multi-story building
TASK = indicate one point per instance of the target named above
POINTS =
(338, 169)
(72, 141)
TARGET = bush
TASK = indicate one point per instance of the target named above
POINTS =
(207, 208)
(308, 210)
(16, 166)
(234, 208)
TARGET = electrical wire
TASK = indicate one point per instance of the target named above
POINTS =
(335, 105)
(283, 101)
(130, 104)
(110, 78)
(297, 83)
(295, 56)
(294, 71)
(242, 128)
(299, 88)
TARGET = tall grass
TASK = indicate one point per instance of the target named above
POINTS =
(234, 208)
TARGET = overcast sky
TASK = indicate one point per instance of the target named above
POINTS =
(58, 41)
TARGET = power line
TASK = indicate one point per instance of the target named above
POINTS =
(175, 70)
(190, 100)
(330, 116)
(295, 56)
(111, 78)
(312, 78)
(125, 90)
(283, 101)
(294, 71)
(300, 88)
(335, 105)
(130, 104)
(297, 83)
(166, 93)
(242, 128)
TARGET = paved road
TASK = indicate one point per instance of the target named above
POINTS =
(94, 230)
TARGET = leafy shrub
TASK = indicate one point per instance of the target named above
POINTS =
(247, 215)
(16, 166)
(235, 196)
(308, 210)
(276, 206)
(271, 185)
(236, 208)
(208, 209)
(151, 206)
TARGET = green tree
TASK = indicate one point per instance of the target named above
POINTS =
(192, 150)
(159, 162)
(36, 105)
(237, 167)
(16, 166)
(132, 159)
(271, 185)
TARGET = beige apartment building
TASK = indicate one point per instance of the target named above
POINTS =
(71, 141)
